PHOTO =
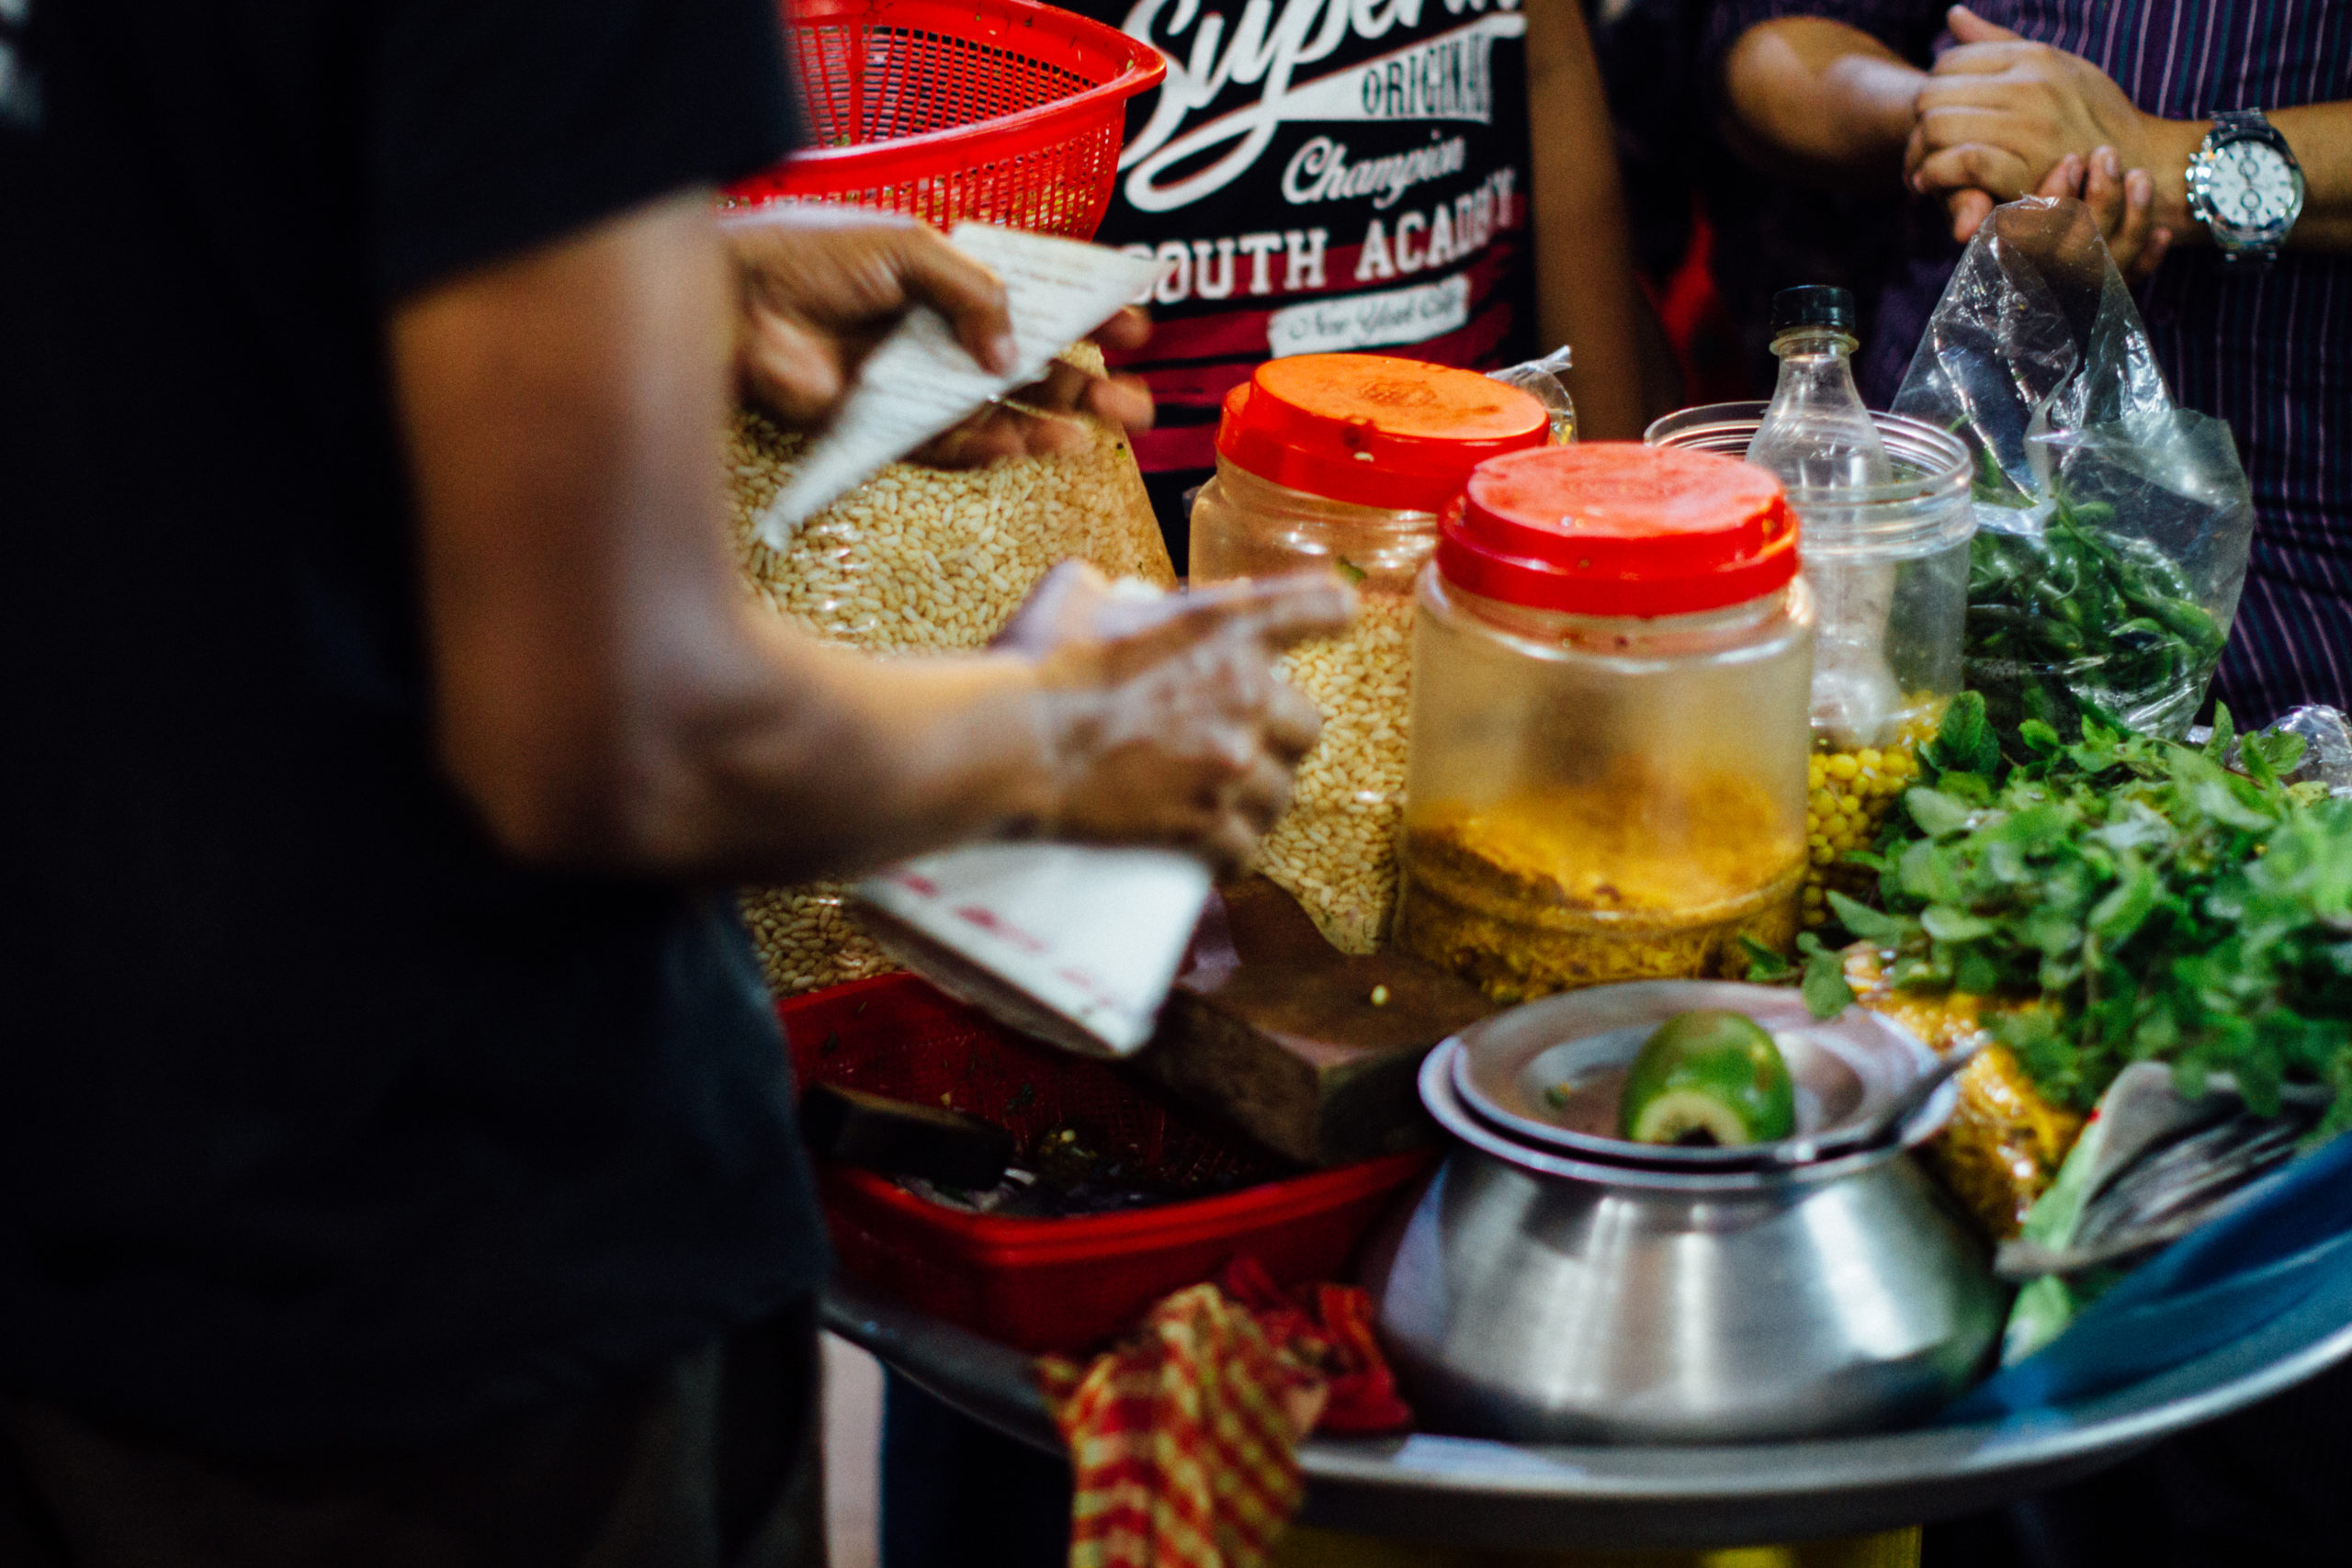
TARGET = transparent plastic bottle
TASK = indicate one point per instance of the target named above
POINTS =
(1817, 434)
(1819, 439)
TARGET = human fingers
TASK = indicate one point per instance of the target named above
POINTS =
(991, 435)
(1997, 172)
(2139, 246)
(1915, 153)
(1260, 794)
(1041, 420)
(1064, 389)
(1964, 123)
(1122, 400)
(788, 368)
(2104, 186)
(1127, 330)
(1275, 612)
(1968, 209)
(2132, 217)
(2119, 203)
(2065, 178)
(1063, 604)
(1292, 722)
(1969, 27)
(931, 272)
(1975, 62)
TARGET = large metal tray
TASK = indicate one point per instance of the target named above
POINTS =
(1474, 1493)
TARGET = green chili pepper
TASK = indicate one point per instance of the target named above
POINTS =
(2078, 611)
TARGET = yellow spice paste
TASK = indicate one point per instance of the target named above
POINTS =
(1635, 876)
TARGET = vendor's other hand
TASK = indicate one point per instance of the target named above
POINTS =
(819, 287)
(1165, 719)
(1042, 419)
(1998, 115)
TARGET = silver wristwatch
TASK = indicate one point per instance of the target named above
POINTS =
(2245, 187)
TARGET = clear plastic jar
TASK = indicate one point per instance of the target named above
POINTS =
(1611, 664)
(1888, 565)
(1344, 460)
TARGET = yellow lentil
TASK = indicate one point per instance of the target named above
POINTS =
(1850, 795)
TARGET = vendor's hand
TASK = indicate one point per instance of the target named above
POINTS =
(1041, 419)
(822, 286)
(1165, 719)
(1998, 115)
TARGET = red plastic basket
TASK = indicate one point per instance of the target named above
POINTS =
(1056, 1284)
(997, 112)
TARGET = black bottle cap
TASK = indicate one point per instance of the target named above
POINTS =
(1814, 305)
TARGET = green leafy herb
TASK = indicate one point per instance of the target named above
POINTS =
(1819, 973)
(2165, 907)
(1965, 743)
(1349, 570)
(1766, 968)
(2268, 758)
(1824, 987)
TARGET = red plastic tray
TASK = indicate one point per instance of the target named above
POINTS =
(1056, 1284)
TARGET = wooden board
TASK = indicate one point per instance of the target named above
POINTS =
(1274, 1030)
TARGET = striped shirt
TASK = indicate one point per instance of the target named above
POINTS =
(2268, 351)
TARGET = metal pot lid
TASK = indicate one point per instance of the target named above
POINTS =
(1846, 1070)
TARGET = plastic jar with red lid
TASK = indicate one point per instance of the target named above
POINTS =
(1345, 460)
(1611, 665)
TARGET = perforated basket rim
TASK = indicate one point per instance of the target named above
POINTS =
(1140, 66)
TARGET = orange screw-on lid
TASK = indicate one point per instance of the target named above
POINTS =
(1374, 430)
(1618, 528)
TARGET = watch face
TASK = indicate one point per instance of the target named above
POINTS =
(2250, 186)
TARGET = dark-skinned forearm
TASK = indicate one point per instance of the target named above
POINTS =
(1822, 102)
(604, 693)
(1586, 295)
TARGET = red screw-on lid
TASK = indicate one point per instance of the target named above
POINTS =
(1374, 430)
(1618, 528)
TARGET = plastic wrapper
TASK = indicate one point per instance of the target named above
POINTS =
(921, 561)
(2153, 1165)
(2327, 750)
(1540, 379)
(2113, 527)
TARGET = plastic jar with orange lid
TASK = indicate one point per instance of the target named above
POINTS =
(1345, 460)
(1611, 666)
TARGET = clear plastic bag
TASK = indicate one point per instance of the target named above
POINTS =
(2113, 525)
(1541, 380)
(921, 561)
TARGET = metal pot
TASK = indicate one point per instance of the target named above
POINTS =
(1542, 1296)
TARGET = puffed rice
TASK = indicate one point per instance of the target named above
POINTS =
(1335, 850)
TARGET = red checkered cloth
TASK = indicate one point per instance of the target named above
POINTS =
(1184, 1437)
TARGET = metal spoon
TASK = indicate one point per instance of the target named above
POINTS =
(1888, 1122)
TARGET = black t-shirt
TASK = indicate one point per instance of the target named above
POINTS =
(321, 1122)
